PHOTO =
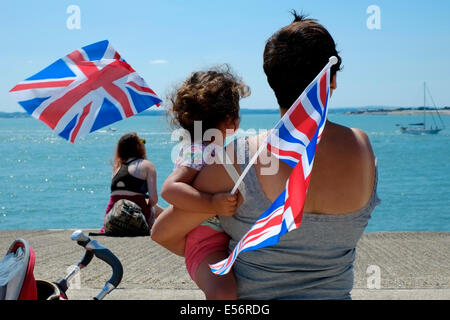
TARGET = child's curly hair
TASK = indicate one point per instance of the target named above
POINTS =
(210, 96)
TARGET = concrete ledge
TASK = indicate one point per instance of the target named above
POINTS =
(196, 294)
(138, 294)
(410, 265)
(401, 294)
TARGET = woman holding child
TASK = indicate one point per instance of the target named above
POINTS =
(314, 261)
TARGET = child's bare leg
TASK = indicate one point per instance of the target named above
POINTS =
(172, 226)
(213, 286)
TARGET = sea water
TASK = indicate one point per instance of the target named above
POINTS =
(49, 183)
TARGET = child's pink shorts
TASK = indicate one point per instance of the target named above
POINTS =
(201, 242)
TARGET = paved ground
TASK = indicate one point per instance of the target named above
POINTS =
(411, 265)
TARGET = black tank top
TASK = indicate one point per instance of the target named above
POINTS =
(123, 180)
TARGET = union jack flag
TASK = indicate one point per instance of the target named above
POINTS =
(293, 140)
(84, 91)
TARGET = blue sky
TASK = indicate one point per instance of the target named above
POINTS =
(165, 40)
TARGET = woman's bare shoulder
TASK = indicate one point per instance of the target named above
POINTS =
(361, 137)
(358, 152)
(354, 140)
(148, 167)
(349, 151)
(363, 145)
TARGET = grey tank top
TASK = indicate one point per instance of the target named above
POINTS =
(314, 261)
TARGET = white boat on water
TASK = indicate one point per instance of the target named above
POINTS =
(421, 127)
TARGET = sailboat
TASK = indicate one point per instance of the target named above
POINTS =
(421, 127)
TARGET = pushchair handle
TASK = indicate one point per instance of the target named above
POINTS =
(95, 248)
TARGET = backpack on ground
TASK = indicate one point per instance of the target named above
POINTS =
(125, 219)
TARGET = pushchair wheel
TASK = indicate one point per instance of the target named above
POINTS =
(48, 291)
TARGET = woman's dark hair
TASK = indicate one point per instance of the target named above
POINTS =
(210, 96)
(294, 56)
(129, 146)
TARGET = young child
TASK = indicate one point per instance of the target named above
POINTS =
(211, 97)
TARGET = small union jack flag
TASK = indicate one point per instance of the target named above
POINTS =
(84, 91)
(293, 140)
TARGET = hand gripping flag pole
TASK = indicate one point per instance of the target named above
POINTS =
(294, 141)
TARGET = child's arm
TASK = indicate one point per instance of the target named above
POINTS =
(177, 191)
(173, 224)
(189, 209)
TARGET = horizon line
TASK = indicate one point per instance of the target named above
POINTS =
(4, 114)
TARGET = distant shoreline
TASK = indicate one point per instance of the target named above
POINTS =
(399, 111)
(346, 111)
(16, 115)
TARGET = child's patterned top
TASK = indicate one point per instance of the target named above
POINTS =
(196, 156)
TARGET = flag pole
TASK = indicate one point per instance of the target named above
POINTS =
(331, 61)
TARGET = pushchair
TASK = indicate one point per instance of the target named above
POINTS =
(17, 281)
